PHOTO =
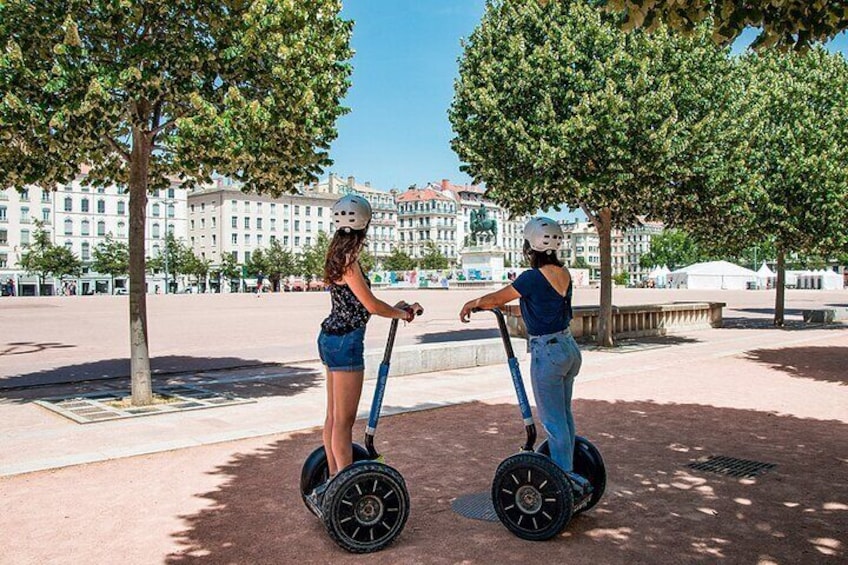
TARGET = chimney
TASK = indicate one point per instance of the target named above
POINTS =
(368, 183)
(351, 182)
(445, 184)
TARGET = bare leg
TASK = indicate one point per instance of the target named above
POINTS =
(328, 426)
(347, 389)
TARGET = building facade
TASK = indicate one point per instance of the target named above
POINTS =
(427, 215)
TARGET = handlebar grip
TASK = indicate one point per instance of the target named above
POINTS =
(419, 311)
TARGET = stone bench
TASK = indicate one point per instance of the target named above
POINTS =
(634, 321)
(442, 356)
(825, 315)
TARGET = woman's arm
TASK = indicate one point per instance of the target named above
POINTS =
(356, 281)
(492, 300)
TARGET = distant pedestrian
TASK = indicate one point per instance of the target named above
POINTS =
(259, 279)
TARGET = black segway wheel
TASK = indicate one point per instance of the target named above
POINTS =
(315, 470)
(532, 496)
(589, 464)
(365, 507)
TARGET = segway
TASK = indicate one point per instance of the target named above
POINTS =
(366, 505)
(532, 496)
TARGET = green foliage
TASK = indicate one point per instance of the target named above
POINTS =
(555, 106)
(111, 257)
(621, 278)
(785, 23)
(228, 268)
(279, 262)
(44, 259)
(313, 257)
(797, 117)
(580, 263)
(367, 260)
(399, 260)
(432, 259)
(674, 249)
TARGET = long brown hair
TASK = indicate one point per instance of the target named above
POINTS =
(343, 253)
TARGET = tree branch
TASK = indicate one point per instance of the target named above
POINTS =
(116, 146)
(164, 126)
(592, 218)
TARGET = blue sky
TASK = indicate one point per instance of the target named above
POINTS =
(397, 132)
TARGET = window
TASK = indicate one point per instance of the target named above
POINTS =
(234, 223)
(101, 190)
(155, 210)
(84, 205)
(155, 231)
(320, 211)
(24, 237)
(308, 225)
(297, 225)
(286, 240)
(320, 225)
(24, 215)
(45, 215)
(272, 239)
(45, 196)
(192, 208)
(259, 207)
(273, 224)
(308, 210)
(202, 206)
(85, 255)
(170, 210)
(122, 229)
(247, 256)
(101, 206)
(4, 237)
(273, 208)
(247, 239)
(246, 223)
(213, 221)
(85, 227)
(259, 223)
(202, 223)
(214, 240)
(286, 224)
(121, 208)
(68, 245)
(246, 206)
(308, 240)
(259, 240)
(191, 224)
(170, 193)
(233, 205)
(69, 226)
(297, 210)
(3, 260)
(235, 239)
(24, 195)
(234, 255)
(69, 204)
(297, 241)
(101, 228)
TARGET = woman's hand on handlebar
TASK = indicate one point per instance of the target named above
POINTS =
(465, 313)
(409, 310)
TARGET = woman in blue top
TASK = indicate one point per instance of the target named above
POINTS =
(545, 299)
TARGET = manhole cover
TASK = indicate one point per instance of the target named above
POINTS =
(732, 467)
(477, 506)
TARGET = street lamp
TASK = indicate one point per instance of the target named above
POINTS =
(167, 202)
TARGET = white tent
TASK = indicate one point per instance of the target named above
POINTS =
(832, 281)
(766, 278)
(712, 275)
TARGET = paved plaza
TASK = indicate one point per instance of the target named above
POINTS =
(220, 485)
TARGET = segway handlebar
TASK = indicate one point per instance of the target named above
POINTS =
(380, 389)
(517, 382)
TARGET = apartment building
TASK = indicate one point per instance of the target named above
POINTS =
(424, 215)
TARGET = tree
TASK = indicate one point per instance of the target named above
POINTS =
(196, 267)
(367, 260)
(797, 191)
(111, 257)
(433, 259)
(228, 269)
(556, 106)
(399, 260)
(674, 249)
(279, 263)
(784, 23)
(172, 260)
(313, 257)
(44, 259)
(151, 92)
(580, 263)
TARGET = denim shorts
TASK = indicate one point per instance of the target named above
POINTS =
(344, 352)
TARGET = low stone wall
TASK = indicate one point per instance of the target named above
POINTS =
(634, 321)
(443, 356)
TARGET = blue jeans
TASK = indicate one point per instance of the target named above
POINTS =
(344, 352)
(555, 360)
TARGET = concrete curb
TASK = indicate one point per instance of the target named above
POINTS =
(436, 357)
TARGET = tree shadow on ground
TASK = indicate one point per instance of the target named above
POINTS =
(656, 509)
(26, 347)
(745, 323)
(458, 335)
(770, 311)
(828, 364)
(247, 378)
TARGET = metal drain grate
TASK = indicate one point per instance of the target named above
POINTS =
(477, 506)
(732, 467)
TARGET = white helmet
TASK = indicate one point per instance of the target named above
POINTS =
(543, 235)
(351, 212)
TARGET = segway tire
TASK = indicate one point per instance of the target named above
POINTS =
(366, 507)
(315, 470)
(532, 496)
(589, 464)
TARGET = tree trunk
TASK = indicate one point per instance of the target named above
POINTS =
(604, 227)
(780, 295)
(142, 388)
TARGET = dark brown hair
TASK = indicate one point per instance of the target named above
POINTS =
(540, 258)
(343, 253)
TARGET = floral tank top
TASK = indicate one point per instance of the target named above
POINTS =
(348, 313)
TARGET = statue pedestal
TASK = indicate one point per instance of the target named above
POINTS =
(483, 263)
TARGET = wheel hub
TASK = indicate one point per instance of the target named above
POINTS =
(528, 499)
(368, 510)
